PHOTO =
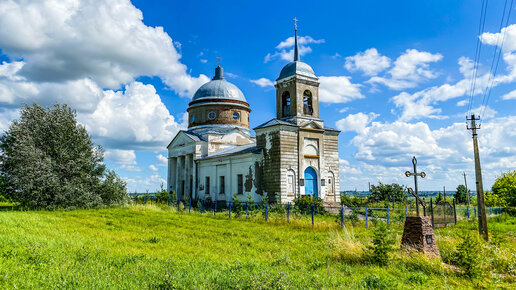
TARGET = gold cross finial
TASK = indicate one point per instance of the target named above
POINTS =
(219, 59)
(295, 22)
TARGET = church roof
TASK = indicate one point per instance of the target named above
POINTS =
(297, 67)
(274, 122)
(235, 150)
(219, 88)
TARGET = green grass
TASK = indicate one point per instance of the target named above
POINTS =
(156, 247)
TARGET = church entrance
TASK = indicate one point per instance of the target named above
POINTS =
(311, 182)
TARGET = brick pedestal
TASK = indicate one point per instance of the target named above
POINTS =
(419, 235)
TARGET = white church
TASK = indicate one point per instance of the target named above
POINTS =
(289, 156)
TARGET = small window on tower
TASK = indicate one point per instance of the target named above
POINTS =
(212, 115)
(236, 115)
(285, 104)
(307, 103)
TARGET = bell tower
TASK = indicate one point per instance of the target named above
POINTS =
(297, 89)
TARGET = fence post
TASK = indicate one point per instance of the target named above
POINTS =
(288, 212)
(246, 209)
(230, 209)
(467, 212)
(393, 202)
(454, 212)
(312, 215)
(202, 205)
(366, 218)
(144, 200)
(178, 202)
(406, 211)
(266, 211)
(342, 216)
(432, 211)
(474, 211)
(169, 200)
(214, 207)
(388, 216)
(490, 211)
(189, 205)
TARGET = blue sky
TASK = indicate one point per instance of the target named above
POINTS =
(395, 76)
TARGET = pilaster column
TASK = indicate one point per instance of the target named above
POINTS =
(186, 170)
(178, 177)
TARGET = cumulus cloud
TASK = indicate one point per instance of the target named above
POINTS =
(132, 119)
(127, 157)
(338, 89)
(153, 168)
(424, 103)
(285, 49)
(263, 82)
(410, 69)
(369, 62)
(355, 122)
(509, 43)
(105, 41)
(509, 96)
(384, 150)
(162, 160)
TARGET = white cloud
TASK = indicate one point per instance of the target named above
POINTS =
(509, 96)
(384, 150)
(131, 119)
(370, 62)
(410, 69)
(153, 168)
(509, 43)
(105, 41)
(127, 157)
(285, 49)
(355, 122)
(162, 160)
(338, 89)
(6, 116)
(345, 168)
(263, 82)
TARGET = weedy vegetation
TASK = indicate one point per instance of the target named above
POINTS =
(156, 247)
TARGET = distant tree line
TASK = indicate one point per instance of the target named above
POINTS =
(48, 160)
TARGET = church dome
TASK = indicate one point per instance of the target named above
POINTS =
(219, 88)
(297, 67)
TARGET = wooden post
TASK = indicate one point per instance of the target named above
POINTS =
(388, 216)
(432, 211)
(482, 219)
(454, 212)
(266, 211)
(288, 212)
(312, 215)
(342, 216)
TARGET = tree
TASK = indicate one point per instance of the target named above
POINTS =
(49, 161)
(461, 194)
(387, 192)
(505, 187)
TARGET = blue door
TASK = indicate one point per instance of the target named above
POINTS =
(311, 182)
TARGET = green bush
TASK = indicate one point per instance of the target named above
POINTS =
(350, 200)
(468, 256)
(505, 187)
(162, 195)
(382, 245)
(388, 192)
(304, 205)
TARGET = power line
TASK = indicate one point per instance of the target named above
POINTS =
(498, 49)
(478, 49)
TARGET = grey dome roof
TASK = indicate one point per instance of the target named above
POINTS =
(219, 88)
(297, 67)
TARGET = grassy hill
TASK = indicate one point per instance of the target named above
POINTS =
(156, 247)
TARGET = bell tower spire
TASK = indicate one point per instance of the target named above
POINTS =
(296, 50)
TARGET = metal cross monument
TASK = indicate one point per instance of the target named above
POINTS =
(415, 174)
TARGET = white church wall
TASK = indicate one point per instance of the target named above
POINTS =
(229, 167)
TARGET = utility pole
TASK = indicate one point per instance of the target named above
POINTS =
(466, 184)
(482, 220)
(444, 192)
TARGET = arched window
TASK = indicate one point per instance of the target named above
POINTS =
(285, 104)
(307, 103)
